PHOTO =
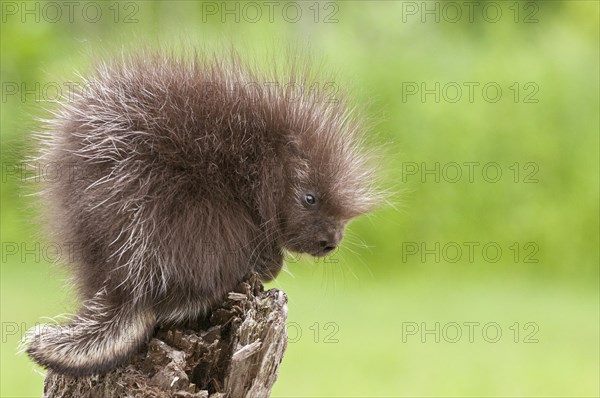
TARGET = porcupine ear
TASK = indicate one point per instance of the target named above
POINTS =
(287, 141)
(297, 161)
(280, 172)
(272, 188)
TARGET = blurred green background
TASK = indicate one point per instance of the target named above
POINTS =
(366, 322)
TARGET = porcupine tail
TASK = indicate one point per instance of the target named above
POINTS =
(100, 337)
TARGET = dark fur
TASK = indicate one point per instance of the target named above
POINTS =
(183, 179)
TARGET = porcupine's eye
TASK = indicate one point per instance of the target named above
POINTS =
(310, 199)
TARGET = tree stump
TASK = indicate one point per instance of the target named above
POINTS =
(234, 352)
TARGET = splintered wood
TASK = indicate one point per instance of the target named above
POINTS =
(235, 352)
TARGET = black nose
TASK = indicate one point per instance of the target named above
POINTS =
(326, 247)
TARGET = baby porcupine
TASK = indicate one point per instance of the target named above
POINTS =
(179, 176)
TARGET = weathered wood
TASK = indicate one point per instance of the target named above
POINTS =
(235, 352)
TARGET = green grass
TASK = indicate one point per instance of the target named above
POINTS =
(372, 359)
(347, 336)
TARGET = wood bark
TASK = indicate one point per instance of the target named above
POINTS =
(234, 352)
